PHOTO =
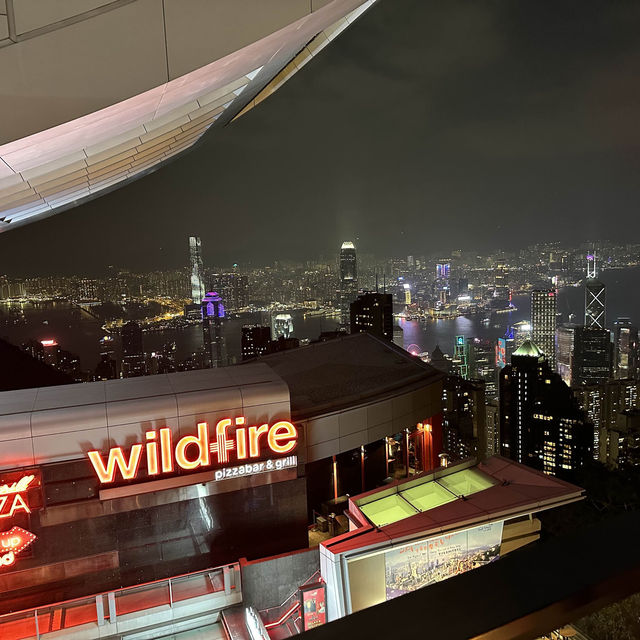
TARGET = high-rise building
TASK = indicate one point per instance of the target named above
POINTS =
(463, 418)
(482, 365)
(564, 357)
(625, 348)
(282, 326)
(373, 313)
(50, 352)
(461, 357)
(544, 308)
(592, 356)
(107, 368)
(133, 358)
(492, 421)
(255, 341)
(623, 447)
(443, 270)
(504, 348)
(602, 403)
(197, 270)
(213, 315)
(348, 279)
(501, 290)
(594, 296)
(442, 284)
(407, 293)
(541, 424)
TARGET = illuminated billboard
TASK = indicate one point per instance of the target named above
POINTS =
(431, 560)
(314, 605)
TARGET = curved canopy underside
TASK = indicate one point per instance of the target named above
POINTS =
(61, 167)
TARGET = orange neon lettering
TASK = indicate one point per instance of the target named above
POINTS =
(17, 487)
(222, 446)
(281, 438)
(201, 441)
(152, 456)
(116, 458)
(254, 439)
(165, 450)
(282, 432)
(241, 440)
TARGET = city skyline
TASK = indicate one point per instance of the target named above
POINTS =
(484, 118)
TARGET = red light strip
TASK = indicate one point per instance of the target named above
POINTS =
(284, 617)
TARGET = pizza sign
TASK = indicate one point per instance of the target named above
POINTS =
(20, 494)
(12, 543)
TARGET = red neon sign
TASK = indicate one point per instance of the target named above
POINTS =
(11, 500)
(193, 452)
(12, 543)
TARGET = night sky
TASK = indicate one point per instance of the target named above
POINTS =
(426, 126)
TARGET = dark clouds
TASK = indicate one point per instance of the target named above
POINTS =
(427, 124)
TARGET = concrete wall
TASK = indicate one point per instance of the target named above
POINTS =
(268, 583)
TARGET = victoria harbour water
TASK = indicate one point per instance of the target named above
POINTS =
(79, 332)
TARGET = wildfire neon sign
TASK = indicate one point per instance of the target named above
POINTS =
(194, 452)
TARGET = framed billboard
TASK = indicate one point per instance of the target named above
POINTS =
(313, 605)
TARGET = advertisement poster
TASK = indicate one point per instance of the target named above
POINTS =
(314, 608)
(434, 559)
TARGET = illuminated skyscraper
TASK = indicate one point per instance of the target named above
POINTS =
(212, 318)
(504, 348)
(442, 283)
(544, 309)
(626, 349)
(197, 271)
(565, 339)
(541, 424)
(461, 357)
(348, 279)
(443, 271)
(501, 290)
(594, 296)
(407, 293)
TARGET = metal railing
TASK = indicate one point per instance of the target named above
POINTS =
(107, 607)
(287, 614)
